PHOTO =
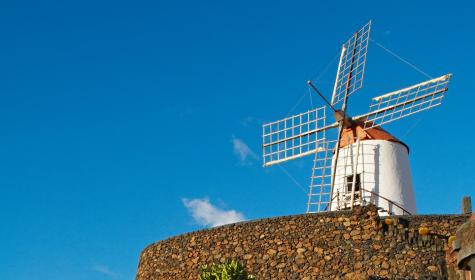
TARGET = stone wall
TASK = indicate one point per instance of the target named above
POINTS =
(334, 245)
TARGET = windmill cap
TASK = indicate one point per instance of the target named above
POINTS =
(350, 134)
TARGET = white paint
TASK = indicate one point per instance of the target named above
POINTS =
(384, 169)
(439, 79)
(343, 50)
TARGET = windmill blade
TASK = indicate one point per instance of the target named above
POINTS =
(405, 102)
(293, 137)
(320, 190)
(350, 73)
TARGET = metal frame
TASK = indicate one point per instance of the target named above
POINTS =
(352, 64)
(405, 102)
(293, 137)
(319, 196)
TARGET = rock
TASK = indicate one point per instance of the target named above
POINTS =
(271, 252)
(376, 246)
(301, 250)
(333, 245)
(318, 250)
(280, 265)
(300, 260)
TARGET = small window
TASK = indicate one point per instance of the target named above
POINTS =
(349, 183)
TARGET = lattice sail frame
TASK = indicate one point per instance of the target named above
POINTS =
(293, 137)
(349, 79)
(319, 195)
(350, 73)
(407, 101)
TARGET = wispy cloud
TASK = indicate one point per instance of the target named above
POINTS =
(105, 270)
(243, 152)
(206, 214)
(247, 121)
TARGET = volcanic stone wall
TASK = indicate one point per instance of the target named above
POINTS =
(334, 245)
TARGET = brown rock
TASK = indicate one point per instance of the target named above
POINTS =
(318, 250)
(281, 265)
(376, 246)
(271, 252)
(301, 250)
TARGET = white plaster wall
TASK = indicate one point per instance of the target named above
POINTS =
(384, 169)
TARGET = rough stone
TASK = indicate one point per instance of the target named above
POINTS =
(331, 245)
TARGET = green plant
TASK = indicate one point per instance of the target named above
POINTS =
(227, 271)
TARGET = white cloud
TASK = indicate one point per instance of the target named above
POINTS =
(243, 152)
(247, 121)
(105, 270)
(206, 214)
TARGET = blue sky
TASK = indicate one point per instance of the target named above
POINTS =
(124, 123)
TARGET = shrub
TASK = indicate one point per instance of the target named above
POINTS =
(228, 271)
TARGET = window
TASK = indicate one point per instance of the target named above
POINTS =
(349, 183)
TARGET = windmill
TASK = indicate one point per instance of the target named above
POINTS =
(365, 163)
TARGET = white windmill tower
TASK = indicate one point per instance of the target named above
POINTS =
(364, 164)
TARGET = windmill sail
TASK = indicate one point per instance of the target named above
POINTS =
(405, 102)
(319, 196)
(293, 137)
(351, 68)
